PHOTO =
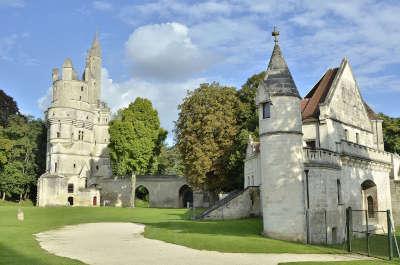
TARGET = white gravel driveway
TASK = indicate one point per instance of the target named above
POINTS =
(123, 243)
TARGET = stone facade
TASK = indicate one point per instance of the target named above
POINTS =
(77, 137)
(317, 156)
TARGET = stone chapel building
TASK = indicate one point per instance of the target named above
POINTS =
(316, 156)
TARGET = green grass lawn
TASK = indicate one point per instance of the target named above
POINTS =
(18, 245)
(363, 262)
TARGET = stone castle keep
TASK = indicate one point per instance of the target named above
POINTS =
(77, 135)
(78, 169)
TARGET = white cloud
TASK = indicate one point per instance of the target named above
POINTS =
(102, 5)
(12, 3)
(11, 49)
(165, 52)
(165, 96)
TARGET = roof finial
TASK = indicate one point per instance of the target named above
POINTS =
(275, 34)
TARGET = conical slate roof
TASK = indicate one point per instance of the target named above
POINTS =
(278, 81)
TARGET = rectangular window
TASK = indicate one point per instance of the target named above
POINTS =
(58, 134)
(266, 110)
(311, 144)
(357, 138)
(339, 191)
(71, 188)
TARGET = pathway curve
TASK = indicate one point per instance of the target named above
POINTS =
(123, 243)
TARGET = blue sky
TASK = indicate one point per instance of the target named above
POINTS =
(160, 49)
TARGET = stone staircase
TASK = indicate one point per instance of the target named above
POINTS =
(231, 203)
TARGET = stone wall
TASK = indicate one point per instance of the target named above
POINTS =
(245, 204)
(116, 192)
(395, 192)
(164, 191)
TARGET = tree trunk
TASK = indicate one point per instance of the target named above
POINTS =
(20, 197)
(4, 196)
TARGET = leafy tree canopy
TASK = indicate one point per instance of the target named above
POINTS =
(8, 107)
(170, 161)
(391, 133)
(205, 132)
(22, 155)
(135, 138)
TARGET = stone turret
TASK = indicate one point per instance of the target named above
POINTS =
(280, 128)
(67, 69)
(92, 74)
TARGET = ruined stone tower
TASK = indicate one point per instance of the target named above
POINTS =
(280, 126)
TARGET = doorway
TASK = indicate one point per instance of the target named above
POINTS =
(71, 201)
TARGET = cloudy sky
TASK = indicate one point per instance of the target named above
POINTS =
(160, 49)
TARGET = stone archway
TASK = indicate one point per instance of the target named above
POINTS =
(185, 196)
(370, 197)
(141, 196)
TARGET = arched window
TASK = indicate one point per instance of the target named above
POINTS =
(370, 202)
(70, 188)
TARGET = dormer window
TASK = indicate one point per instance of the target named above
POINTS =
(266, 110)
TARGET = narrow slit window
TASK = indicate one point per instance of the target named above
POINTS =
(357, 138)
(339, 191)
(266, 110)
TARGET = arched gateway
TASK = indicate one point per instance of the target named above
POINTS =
(165, 191)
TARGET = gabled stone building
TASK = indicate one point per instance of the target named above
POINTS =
(317, 156)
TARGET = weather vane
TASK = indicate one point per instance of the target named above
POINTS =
(275, 34)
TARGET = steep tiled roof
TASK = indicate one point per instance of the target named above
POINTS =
(317, 95)
(371, 114)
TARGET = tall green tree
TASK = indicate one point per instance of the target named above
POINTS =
(248, 116)
(205, 133)
(391, 133)
(23, 156)
(135, 138)
(8, 107)
(170, 161)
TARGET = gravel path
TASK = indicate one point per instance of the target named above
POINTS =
(123, 243)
